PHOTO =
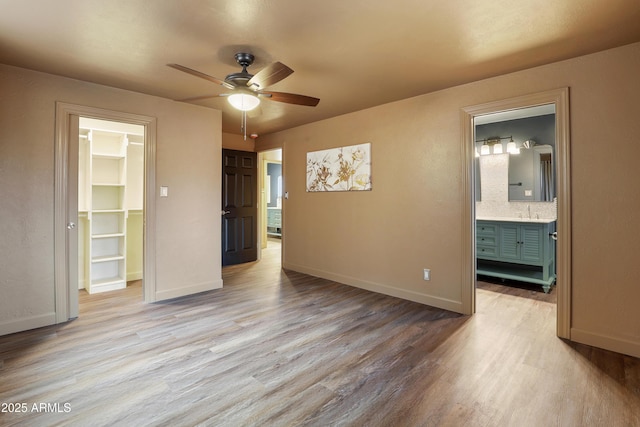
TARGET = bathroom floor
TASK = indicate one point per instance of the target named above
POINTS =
(515, 288)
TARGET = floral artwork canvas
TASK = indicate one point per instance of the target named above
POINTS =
(340, 169)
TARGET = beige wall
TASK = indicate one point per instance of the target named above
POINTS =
(188, 161)
(237, 142)
(381, 240)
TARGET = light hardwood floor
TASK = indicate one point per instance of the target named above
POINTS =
(278, 348)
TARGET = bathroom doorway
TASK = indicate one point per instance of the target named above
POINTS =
(559, 98)
(516, 205)
(271, 202)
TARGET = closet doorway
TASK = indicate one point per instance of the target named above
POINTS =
(92, 207)
(110, 204)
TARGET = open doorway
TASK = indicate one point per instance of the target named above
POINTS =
(110, 206)
(66, 215)
(516, 205)
(271, 202)
(559, 98)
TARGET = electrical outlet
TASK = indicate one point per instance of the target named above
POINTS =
(427, 274)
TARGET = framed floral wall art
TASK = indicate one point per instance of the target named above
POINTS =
(340, 169)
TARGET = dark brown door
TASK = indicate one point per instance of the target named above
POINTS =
(239, 207)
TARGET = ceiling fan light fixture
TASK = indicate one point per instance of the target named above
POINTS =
(243, 101)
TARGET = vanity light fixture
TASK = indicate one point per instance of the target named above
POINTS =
(511, 147)
(494, 145)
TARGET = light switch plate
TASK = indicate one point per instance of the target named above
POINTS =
(164, 191)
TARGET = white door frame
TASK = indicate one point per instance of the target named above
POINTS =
(559, 97)
(66, 202)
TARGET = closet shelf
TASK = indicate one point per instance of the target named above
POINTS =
(107, 184)
(106, 236)
(99, 211)
(108, 281)
(108, 156)
(107, 258)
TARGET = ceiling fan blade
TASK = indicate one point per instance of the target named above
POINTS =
(201, 75)
(291, 98)
(197, 98)
(269, 75)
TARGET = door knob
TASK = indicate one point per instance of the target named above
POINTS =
(554, 235)
(71, 225)
(225, 212)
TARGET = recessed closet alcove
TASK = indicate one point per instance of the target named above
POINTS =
(110, 204)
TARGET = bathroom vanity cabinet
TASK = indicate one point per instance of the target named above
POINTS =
(521, 250)
(274, 222)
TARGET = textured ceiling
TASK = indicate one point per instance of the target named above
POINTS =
(351, 54)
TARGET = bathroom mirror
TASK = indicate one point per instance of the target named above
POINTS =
(531, 171)
(531, 174)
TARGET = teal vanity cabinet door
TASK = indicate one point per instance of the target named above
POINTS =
(521, 242)
(532, 243)
(509, 242)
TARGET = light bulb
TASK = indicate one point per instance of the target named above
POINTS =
(243, 101)
(484, 150)
(497, 148)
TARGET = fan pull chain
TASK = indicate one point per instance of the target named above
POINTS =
(242, 129)
(243, 126)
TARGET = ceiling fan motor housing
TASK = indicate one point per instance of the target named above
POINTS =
(242, 78)
(244, 59)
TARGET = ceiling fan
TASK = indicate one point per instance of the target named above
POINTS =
(248, 88)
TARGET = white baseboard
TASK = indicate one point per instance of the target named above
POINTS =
(612, 343)
(134, 275)
(25, 323)
(433, 301)
(188, 290)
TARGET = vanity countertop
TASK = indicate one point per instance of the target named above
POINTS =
(511, 219)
